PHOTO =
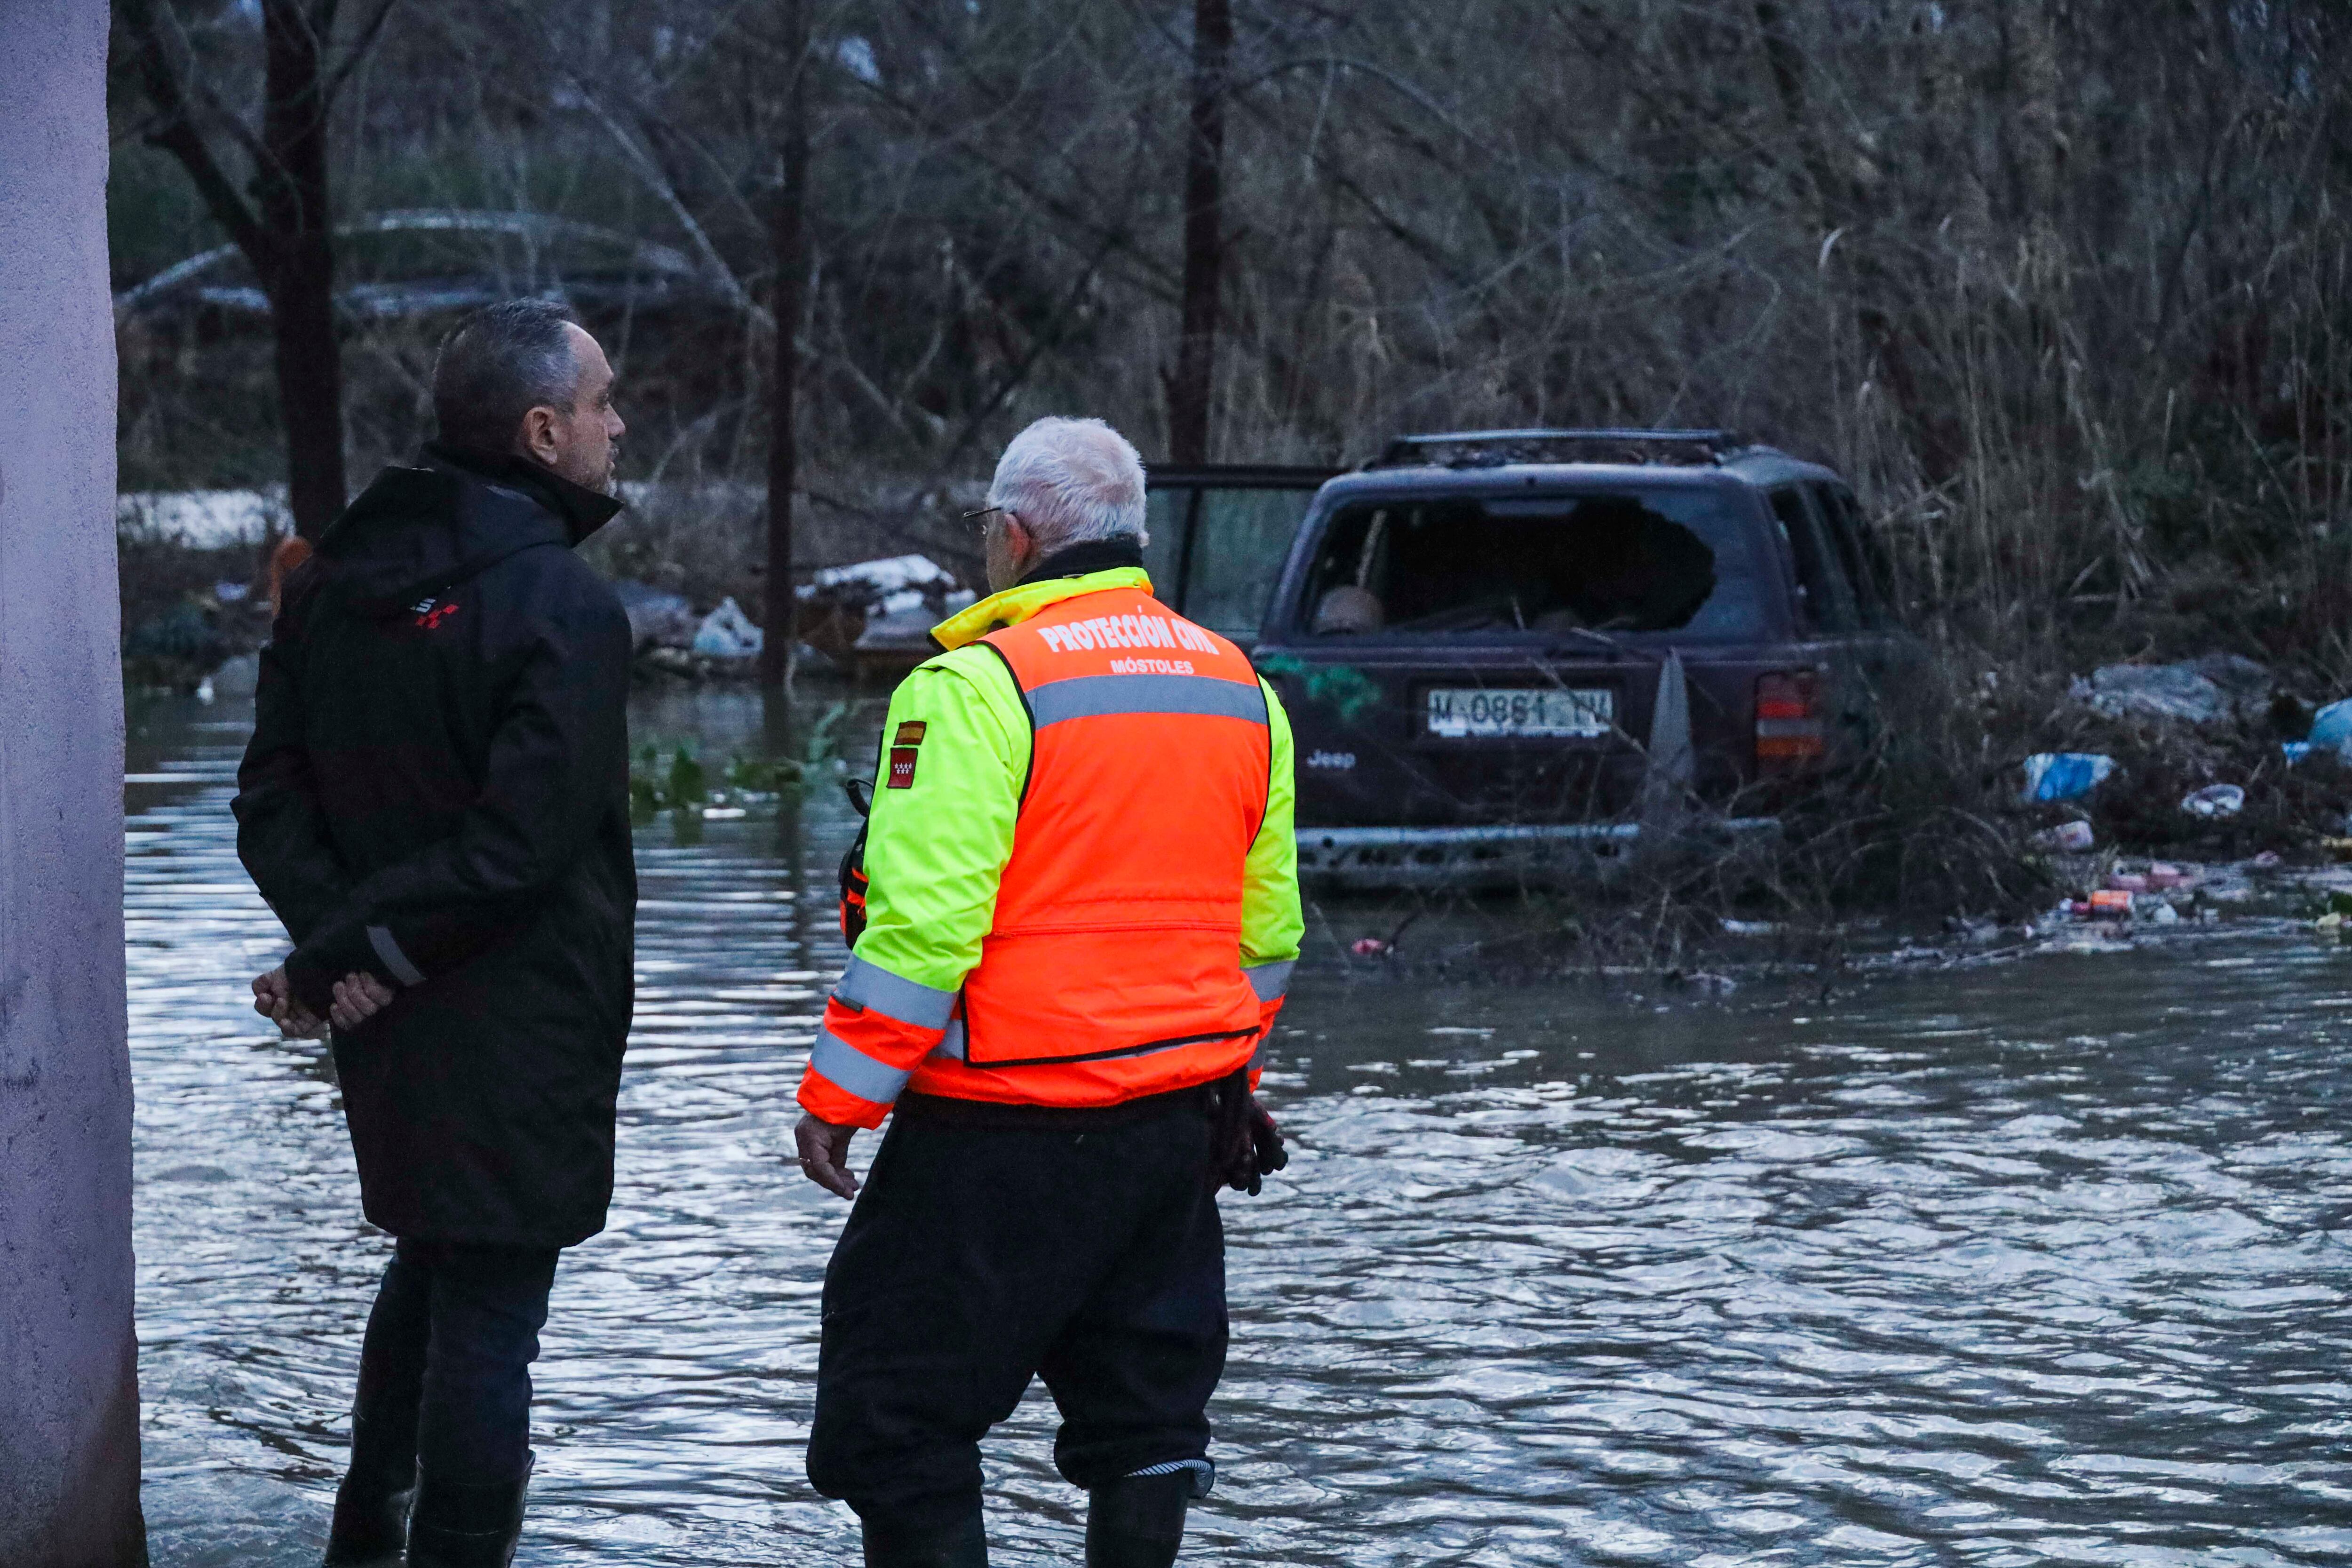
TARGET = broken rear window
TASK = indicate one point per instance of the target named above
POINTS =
(1656, 560)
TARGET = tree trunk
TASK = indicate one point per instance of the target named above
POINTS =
(299, 274)
(2033, 123)
(69, 1354)
(788, 240)
(1191, 388)
(285, 231)
(310, 390)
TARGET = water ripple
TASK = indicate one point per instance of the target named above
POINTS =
(2035, 1264)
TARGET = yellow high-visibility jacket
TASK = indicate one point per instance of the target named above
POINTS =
(957, 759)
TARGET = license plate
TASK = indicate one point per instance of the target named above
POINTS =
(1546, 713)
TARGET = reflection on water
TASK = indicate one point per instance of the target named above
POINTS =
(2020, 1265)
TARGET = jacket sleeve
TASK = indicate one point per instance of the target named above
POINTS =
(1271, 921)
(282, 828)
(935, 843)
(559, 743)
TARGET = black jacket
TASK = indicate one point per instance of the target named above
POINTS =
(437, 792)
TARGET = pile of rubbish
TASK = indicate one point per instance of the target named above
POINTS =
(2072, 776)
(890, 602)
(2198, 748)
(2216, 688)
(664, 621)
(2157, 894)
(841, 609)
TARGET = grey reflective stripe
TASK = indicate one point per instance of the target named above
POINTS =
(1092, 696)
(855, 1072)
(875, 989)
(950, 1045)
(1269, 980)
(393, 959)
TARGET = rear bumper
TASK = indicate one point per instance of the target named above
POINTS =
(1471, 858)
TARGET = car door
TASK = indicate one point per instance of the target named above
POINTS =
(1827, 606)
(1218, 538)
(1836, 608)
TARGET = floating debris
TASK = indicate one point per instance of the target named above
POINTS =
(728, 633)
(2215, 800)
(2074, 837)
(2064, 776)
(2331, 727)
(2200, 691)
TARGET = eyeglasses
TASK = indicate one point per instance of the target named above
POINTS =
(979, 517)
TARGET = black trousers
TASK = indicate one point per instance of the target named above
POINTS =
(992, 1245)
(444, 1371)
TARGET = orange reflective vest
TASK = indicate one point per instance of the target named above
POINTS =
(1112, 965)
(1113, 968)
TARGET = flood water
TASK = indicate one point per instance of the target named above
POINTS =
(2044, 1262)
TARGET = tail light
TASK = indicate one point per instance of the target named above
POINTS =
(1788, 731)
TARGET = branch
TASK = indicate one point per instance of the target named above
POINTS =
(362, 47)
(664, 191)
(1154, 273)
(678, 137)
(1049, 339)
(667, 194)
(959, 556)
(177, 135)
(206, 100)
(1403, 89)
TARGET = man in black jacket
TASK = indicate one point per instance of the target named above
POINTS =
(435, 803)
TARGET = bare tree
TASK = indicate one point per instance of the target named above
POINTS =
(2062, 285)
(283, 220)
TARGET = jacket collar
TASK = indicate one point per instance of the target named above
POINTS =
(582, 510)
(1027, 598)
(1091, 566)
(1086, 555)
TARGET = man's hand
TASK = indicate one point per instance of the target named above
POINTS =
(1254, 1149)
(1265, 1144)
(274, 999)
(1245, 1145)
(825, 1154)
(359, 996)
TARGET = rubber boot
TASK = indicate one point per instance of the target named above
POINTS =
(1137, 1522)
(964, 1544)
(370, 1523)
(463, 1524)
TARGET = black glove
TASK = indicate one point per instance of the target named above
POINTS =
(1248, 1145)
(1266, 1142)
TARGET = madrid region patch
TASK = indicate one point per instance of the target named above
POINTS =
(904, 748)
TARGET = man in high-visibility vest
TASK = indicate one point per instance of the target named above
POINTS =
(1076, 914)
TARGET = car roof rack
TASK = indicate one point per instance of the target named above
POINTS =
(1494, 448)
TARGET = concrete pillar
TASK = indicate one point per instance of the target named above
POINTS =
(68, 1358)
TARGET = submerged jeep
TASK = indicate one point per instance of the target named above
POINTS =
(1502, 651)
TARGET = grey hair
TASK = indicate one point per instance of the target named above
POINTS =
(496, 365)
(1070, 481)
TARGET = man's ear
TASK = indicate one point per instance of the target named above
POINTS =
(1020, 544)
(537, 438)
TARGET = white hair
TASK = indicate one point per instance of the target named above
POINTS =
(1070, 481)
